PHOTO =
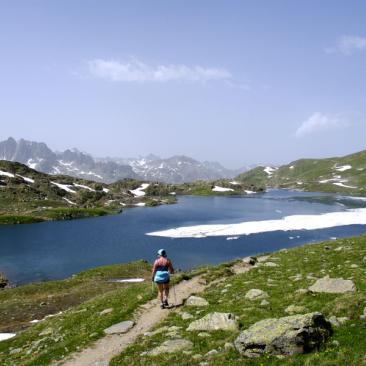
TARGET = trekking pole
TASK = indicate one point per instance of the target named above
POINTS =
(152, 287)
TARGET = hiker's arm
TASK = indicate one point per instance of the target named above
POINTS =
(153, 271)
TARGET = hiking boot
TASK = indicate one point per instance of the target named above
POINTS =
(166, 303)
(162, 305)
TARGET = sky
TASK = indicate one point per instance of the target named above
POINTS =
(238, 82)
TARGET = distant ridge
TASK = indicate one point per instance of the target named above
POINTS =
(176, 169)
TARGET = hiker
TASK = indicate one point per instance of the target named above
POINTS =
(161, 271)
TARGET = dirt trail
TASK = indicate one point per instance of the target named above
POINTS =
(149, 315)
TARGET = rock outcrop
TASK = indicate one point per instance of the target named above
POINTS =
(171, 346)
(284, 336)
(122, 327)
(256, 294)
(196, 301)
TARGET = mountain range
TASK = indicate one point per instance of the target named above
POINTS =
(176, 169)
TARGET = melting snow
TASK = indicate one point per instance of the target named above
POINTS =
(249, 192)
(140, 204)
(343, 168)
(6, 174)
(221, 189)
(343, 185)
(5, 336)
(139, 192)
(291, 167)
(269, 170)
(65, 187)
(68, 201)
(235, 183)
(232, 238)
(29, 180)
(288, 223)
(105, 190)
(84, 187)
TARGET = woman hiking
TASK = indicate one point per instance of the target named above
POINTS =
(161, 271)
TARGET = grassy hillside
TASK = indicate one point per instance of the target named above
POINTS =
(345, 175)
(30, 196)
(285, 282)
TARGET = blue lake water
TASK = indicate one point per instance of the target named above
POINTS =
(54, 250)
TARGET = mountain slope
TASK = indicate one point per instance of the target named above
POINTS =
(339, 175)
(27, 195)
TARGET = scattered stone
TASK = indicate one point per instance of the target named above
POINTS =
(122, 327)
(302, 291)
(215, 321)
(204, 335)
(228, 346)
(211, 353)
(197, 357)
(46, 332)
(186, 316)
(196, 301)
(353, 266)
(256, 294)
(295, 309)
(338, 249)
(106, 311)
(270, 264)
(14, 351)
(224, 291)
(263, 258)
(264, 303)
(335, 343)
(284, 336)
(333, 285)
(93, 335)
(327, 247)
(336, 322)
(171, 346)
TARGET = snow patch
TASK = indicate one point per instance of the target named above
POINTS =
(221, 189)
(139, 192)
(6, 174)
(140, 204)
(5, 336)
(343, 185)
(68, 201)
(235, 183)
(249, 192)
(29, 180)
(291, 167)
(65, 187)
(343, 168)
(84, 187)
(288, 223)
(269, 170)
(105, 190)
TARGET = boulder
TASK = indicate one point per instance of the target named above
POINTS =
(122, 327)
(3, 281)
(256, 294)
(171, 346)
(333, 285)
(284, 336)
(250, 260)
(337, 322)
(106, 311)
(196, 301)
(215, 321)
(186, 316)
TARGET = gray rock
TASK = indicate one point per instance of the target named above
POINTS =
(204, 334)
(264, 303)
(197, 357)
(302, 291)
(186, 316)
(333, 285)
(196, 301)
(256, 294)
(228, 346)
(284, 336)
(211, 353)
(250, 260)
(215, 321)
(122, 327)
(171, 346)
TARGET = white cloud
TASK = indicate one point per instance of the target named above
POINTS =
(319, 122)
(137, 71)
(348, 45)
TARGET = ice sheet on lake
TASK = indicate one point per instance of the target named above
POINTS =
(288, 223)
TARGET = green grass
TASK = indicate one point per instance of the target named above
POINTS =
(81, 298)
(228, 296)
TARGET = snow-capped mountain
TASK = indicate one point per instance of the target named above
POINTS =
(176, 169)
(38, 156)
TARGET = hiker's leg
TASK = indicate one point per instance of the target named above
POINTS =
(166, 290)
(161, 291)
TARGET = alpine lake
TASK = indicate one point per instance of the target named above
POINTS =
(55, 250)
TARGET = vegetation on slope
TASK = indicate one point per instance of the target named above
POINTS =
(296, 269)
(345, 175)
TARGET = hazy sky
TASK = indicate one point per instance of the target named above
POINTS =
(239, 82)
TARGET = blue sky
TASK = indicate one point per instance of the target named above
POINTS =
(239, 82)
